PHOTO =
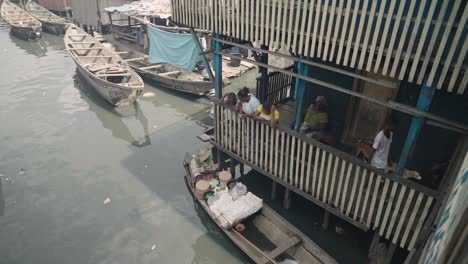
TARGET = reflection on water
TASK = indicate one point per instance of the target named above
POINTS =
(128, 123)
(39, 47)
(2, 200)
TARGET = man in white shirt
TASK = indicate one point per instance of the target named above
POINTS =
(248, 104)
(381, 146)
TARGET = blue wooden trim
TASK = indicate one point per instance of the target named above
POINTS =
(218, 67)
(423, 104)
(302, 69)
(204, 59)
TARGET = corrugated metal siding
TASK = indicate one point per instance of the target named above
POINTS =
(85, 11)
(405, 39)
(56, 5)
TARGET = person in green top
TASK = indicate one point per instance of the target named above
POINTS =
(316, 119)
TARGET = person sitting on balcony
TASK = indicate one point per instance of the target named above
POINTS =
(248, 104)
(229, 100)
(267, 112)
(316, 119)
(381, 146)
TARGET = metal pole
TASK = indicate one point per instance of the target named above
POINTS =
(218, 68)
(205, 61)
(424, 102)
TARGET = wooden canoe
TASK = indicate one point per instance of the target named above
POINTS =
(168, 76)
(50, 21)
(268, 237)
(22, 23)
(102, 68)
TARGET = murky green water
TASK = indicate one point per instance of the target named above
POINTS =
(77, 151)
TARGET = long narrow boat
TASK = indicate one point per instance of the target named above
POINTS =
(168, 76)
(22, 23)
(102, 68)
(50, 21)
(269, 238)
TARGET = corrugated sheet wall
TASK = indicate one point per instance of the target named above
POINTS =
(85, 11)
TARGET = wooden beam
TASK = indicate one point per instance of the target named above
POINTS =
(151, 67)
(136, 59)
(281, 249)
(113, 75)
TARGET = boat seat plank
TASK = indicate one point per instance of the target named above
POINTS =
(137, 59)
(281, 249)
(96, 48)
(100, 56)
(113, 75)
(82, 42)
(171, 73)
(151, 67)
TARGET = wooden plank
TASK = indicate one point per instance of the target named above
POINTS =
(378, 179)
(282, 156)
(410, 222)
(262, 21)
(351, 34)
(217, 16)
(367, 190)
(458, 66)
(464, 83)
(322, 28)
(267, 23)
(357, 42)
(243, 23)
(384, 36)
(271, 41)
(337, 29)
(327, 177)
(151, 67)
(452, 49)
(409, 49)
(276, 164)
(297, 17)
(96, 48)
(340, 182)
(402, 218)
(396, 212)
(353, 192)
(402, 39)
(321, 175)
(302, 175)
(238, 23)
(257, 19)
(333, 179)
(290, 24)
(344, 31)
(287, 159)
(363, 178)
(280, 22)
(442, 43)
(309, 168)
(382, 197)
(300, 49)
(369, 31)
(298, 164)
(422, 38)
(388, 208)
(329, 29)
(393, 38)
(318, 12)
(314, 178)
(345, 188)
(291, 242)
(261, 164)
(375, 33)
(291, 161)
(422, 218)
(309, 28)
(257, 134)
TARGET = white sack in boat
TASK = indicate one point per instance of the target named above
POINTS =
(235, 211)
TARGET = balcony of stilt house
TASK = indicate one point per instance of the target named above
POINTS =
(363, 57)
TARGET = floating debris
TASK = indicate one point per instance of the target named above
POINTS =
(146, 166)
(148, 94)
(21, 172)
(107, 200)
(339, 230)
(153, 247)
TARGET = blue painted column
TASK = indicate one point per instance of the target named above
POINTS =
(302, 69)
(423, 104)
(218, 68)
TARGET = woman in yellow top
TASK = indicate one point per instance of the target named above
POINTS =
(267, 112)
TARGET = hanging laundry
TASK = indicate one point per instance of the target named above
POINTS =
(179, 50)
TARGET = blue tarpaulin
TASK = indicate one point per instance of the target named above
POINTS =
(179, 50)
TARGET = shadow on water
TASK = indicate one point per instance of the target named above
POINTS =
(113, 118)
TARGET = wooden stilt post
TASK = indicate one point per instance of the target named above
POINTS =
(390, 252)
(326, 220)
(220, 159)
(302, 69)
(232, 168)
(287, 199)
(424, 102)
(274, 186)
(218, 68)
(242, 169)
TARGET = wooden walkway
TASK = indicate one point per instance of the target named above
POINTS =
(396, 208)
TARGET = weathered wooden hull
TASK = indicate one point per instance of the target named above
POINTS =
(273, 227)
(51, 23)
(111, 93)
(191, 87)
(54, 28)
(26, 33)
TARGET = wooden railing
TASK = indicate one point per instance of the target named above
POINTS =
(347, 187)
(411, 40)
(280, 87)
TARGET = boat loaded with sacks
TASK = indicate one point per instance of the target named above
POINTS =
(103, 68)
(254, 227)
(50, 21)
(22, 23)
